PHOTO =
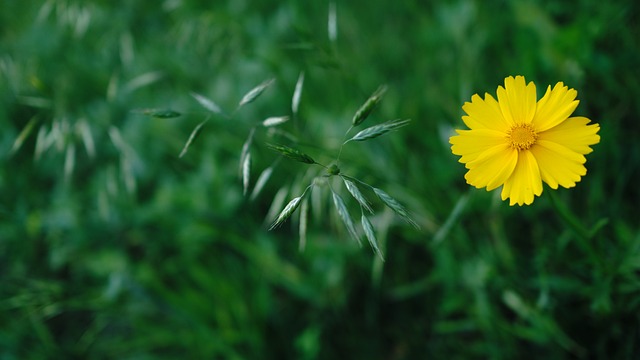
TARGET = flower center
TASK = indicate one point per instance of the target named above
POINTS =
(522, 136)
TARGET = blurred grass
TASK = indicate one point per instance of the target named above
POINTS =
(112, 247)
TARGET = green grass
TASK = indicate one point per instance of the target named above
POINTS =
(113, 246)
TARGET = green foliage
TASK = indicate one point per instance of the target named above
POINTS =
(117, 242)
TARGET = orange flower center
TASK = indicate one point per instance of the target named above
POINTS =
(522, 136)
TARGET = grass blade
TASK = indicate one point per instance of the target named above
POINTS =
(344, 215)
(192, 137)
(302, 231)
(332, 22)
(207, 103)
(366, 108)
(142, 81)
(377, 130)
(255, 92)
(292, 153)
(84, 131)
(394, 205)
(24, 134)
(41, 143)
(297, 93)
(355, 192)
(274, 121)
(69, 160)
(371, 236)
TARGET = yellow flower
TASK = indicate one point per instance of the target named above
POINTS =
(517, 142)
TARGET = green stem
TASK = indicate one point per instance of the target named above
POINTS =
(584, 236)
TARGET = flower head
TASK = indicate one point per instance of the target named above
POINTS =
(517, 142)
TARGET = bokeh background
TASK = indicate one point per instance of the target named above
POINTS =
(111, 246)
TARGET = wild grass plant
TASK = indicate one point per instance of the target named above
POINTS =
(148, 148)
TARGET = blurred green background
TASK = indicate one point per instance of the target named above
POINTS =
(113, 247)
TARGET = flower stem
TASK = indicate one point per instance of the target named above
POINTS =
(583, 234)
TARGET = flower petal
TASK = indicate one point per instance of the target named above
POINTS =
(492, 168)
(484, 114)
(574, 133)
(525, 181)
(517, 100)
(558, 164)
(471, 143)
(555, 106)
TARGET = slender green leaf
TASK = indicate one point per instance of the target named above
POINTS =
(24, 134)
(69, 160)
(82, 127)
(304, 217)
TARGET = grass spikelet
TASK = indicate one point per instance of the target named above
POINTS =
(371, 236)
(366, 108)
(297, 93)
(292, 153)
(264, 176)
(344, 215)
(255, 92)
(289, 209)
(207, 103)
(377, 130)
(246, 173)
(194, 135)
(161, 113)
(394, 205)
(245, 149)
(355, 192)
(274, 121)
(286, 212)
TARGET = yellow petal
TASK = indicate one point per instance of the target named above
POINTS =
(517, 100)
(525, 181)
(471, 143)
(492, 168)
(484, 114)
(574, 133)
(555, 167)
(555, 106)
